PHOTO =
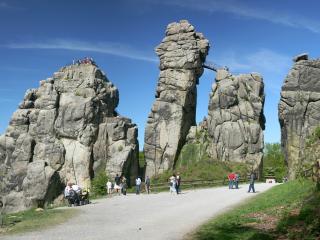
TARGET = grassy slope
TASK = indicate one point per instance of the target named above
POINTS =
(29, 220)
(271, 215)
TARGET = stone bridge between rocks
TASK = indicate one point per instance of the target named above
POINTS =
(154, 216)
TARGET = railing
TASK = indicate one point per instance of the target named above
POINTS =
(192, 184)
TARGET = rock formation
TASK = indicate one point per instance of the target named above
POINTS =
(299, 111)
(66, 130)
(235, 121)
(182, 53)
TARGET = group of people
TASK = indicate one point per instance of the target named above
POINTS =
(76, 195)
(233, 179)
(120, 185)
(174, 183)
(85, 60)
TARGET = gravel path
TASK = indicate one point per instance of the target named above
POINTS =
(162, 216)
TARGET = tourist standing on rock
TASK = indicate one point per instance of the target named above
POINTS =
(178, 181)
(109, 187)
(147, 184)
(172, 183)
(251, 185)
(117, 182)
(138, 185)
(236, 180)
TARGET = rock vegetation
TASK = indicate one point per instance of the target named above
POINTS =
(67, 130)
(182, 53)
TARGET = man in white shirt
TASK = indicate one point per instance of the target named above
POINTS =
(109, 187)
(138, 185)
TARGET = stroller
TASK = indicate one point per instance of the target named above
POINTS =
(73, 198)
(84, 198)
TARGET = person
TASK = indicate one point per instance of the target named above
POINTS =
(231, 180)
(109, 187)
(172, 183)
(147, 184)
(77, 189)
(1, 215)
(117, 182)
(178, 181)
(236, 180)
(70, 195)
(251, 185)
(138, 185)
(124, 185)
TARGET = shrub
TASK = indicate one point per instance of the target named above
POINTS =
(98, 184)
(273, 162)
(120, 148)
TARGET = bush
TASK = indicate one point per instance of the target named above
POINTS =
(273, 162)
(98, 184)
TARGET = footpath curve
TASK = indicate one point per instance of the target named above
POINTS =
(161, 216)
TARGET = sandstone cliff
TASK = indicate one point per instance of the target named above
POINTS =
(233, 130)
(235, 118)
(299, 111)
(182, 53)
(65, 131)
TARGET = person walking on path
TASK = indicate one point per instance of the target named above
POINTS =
(117, 182)
(178, 181)
(138, 185)
(124, 185)
(147, 184)
(172, 183)
(251, 185)
(236, 180)
(109, 187)
(231, 177)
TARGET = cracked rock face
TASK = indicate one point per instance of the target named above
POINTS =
(181, 54)
(299, 113)
(67, 130)
(235, 121)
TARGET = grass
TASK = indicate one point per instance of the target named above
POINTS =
(275, 214)
(30, 220)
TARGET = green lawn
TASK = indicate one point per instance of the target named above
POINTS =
(34, 220)
(290, 211)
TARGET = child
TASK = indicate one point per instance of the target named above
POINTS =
(109, 187)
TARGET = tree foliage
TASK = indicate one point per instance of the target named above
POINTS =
(273, 162)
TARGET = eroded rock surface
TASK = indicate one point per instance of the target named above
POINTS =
(235, 121)
(67, 130)
(299, 113)
(182, 53)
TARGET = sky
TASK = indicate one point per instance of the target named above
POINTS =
(38, 37)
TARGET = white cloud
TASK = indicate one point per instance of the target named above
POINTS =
(239, 8)
(116, 49)
(272, 65)
(264, 60)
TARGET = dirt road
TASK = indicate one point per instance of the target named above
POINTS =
(162, 216)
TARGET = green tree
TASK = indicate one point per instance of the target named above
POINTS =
(273, 162)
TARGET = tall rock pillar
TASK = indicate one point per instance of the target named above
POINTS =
(299, 111)
(235, 118)
(182, 53)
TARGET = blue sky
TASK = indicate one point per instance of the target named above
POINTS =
(40, 36)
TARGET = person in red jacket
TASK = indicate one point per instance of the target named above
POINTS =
(231, 178)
